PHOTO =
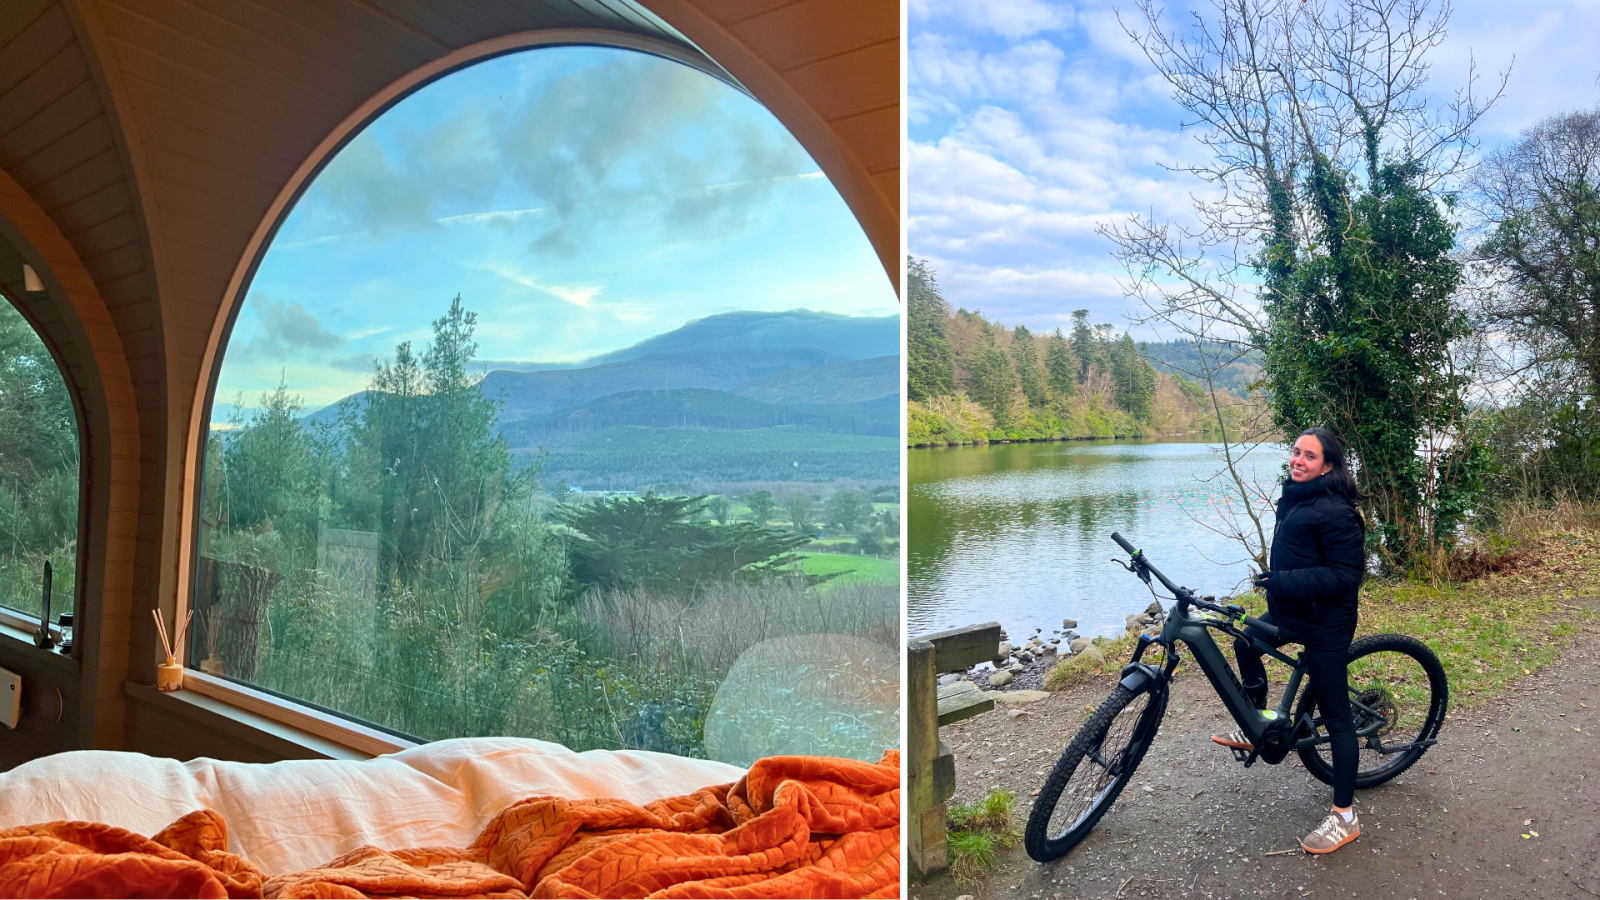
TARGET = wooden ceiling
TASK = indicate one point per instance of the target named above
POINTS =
(158, 135)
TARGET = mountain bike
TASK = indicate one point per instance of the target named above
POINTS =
(1398, 694)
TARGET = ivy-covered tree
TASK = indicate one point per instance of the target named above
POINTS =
(1360, 336)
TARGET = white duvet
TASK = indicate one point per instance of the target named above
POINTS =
(297, 814)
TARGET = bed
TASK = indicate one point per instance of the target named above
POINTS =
(789, 826)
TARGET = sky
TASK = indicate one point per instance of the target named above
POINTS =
(1030, 122)
(579, 199)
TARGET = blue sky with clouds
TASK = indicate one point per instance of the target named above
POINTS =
(579, 199)
(1032, 121)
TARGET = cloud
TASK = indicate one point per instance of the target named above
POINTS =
(284, 330)
(587, 144)
(577, 295)
(1012, 19)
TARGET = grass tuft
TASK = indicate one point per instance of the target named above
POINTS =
(977, 831)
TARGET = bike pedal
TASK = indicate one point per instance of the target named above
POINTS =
(1240, 755)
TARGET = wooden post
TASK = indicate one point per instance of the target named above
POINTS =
(925, 843)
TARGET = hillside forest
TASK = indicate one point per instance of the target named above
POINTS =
(971, 380)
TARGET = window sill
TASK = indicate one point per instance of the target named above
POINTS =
(246, 703)
(20, 643)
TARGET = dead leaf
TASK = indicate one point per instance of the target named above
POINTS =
(1526, 822)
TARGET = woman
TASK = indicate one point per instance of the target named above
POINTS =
(1312, 587)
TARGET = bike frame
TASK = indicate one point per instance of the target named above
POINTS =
(1194, 630)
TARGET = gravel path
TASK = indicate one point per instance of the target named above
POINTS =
(1195, 823)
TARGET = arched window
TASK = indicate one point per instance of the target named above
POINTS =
(39, 475)
(564, 404)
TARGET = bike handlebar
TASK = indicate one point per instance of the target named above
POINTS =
(1185, 596)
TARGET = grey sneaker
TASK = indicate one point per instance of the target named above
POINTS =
(1333, 833)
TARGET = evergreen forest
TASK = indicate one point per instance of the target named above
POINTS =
(971, 380)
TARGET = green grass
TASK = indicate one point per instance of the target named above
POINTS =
(852, 569)
(977, 831)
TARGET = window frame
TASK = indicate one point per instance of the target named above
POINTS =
(15, 618)
(336, 727)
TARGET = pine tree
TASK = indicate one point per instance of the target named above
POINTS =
(990, 379)
(1136, 378)
(1083, 344)
(1025, 353)
(930, 364)
(1060, 366)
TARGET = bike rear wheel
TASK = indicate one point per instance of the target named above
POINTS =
(1093, 770)
(1404, 681)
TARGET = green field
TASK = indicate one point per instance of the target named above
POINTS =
(851, 569)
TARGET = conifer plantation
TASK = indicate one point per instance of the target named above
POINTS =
(971, 380)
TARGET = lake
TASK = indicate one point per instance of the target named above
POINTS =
(1021, 533)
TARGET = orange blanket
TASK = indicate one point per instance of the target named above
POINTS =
(794, 826)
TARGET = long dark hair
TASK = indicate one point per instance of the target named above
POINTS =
(1338, 479)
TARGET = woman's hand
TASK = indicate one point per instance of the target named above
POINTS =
(1260, 580)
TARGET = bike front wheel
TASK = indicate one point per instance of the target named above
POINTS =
(1093, 770)
(1402, 680)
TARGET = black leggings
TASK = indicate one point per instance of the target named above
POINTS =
(1330, 681)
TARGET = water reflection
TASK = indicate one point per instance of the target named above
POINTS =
(1020, 533)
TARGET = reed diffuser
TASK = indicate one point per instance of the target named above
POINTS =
(212, 623)
(169, 675)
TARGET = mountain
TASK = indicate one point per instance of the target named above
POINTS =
(1182, 359)
(845, 382)
(532, 393)
(715, 353)
(844, 337)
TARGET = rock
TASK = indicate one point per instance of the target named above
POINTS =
(1015, 698)
(1069, 623)
(1078, 644)
(951, 678)
(966, 897)
(1015, 668)
(1025, 657)
(1004, 651)
(1055, 640)
(1093, 652)
(1049, 651)
(1000, 679)
(1018, 713)
(1153, 608)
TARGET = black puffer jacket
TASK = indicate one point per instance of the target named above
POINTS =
(1318, 558)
